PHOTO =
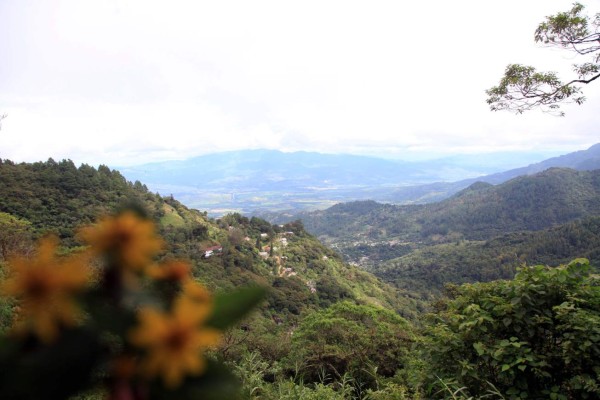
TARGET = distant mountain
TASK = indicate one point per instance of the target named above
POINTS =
(252, 180)
(584, 160)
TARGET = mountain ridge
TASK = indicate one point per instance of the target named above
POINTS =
(582, 160)
(481, 212)
(251, 181)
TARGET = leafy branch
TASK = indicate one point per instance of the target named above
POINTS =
(523, 88)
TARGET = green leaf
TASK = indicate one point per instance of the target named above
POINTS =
(230, 307)
(505, 367)
(479, 348)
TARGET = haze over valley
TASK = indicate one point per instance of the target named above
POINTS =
(263, 181)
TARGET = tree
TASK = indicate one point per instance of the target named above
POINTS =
(537, 336)
(15, 235)
(345, 337)
(524, 88)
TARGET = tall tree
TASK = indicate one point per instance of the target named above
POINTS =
(523, 88)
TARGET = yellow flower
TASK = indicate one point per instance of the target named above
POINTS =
(127, 239)
(173, 342)
(173, 270)
(46, 286)
(195, 292)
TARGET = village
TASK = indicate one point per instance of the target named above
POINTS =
(273, 250)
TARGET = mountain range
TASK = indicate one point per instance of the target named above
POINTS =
(583, 160)
(253, 181)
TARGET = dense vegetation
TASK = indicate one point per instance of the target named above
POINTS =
(427, 269)
(479, 212)
(482, 233)
(59, 197)
(328, 330)
(537, 336)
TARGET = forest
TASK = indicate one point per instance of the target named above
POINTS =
(322, 329)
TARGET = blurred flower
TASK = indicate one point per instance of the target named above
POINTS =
(173, 342)
(127, 239)
(173, 270)
(195, 292)
(46, 286)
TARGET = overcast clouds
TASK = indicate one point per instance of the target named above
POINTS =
(124, 82)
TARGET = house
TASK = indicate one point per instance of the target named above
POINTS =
(210, 251)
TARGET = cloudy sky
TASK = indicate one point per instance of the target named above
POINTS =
(123, 82)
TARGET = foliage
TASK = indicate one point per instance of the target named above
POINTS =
(326, 330)
(15, 235)
(262, 381)
(109, 317)
(523, 88)
(554, 196)
(56, 197)
(302, 275)
(537, 336)
(346, 337)
(369, 233)
(426, 270)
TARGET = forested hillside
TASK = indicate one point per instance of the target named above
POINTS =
(426, 270)
(57, 197)
(326, 329)
(481, 211)
(482, 233)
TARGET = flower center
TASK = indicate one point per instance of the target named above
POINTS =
(122, 239)
(177, 339)
(38, 287)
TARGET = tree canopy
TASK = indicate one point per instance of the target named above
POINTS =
(536, 336)
(523, 88)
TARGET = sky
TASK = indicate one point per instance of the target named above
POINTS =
(124, 82)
